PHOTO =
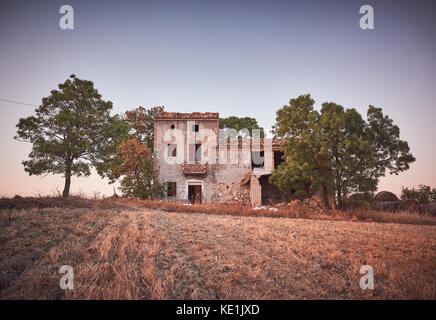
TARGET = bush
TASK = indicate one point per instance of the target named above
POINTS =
(423, 194)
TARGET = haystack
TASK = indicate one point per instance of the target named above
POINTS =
(384, 196)
(359, 200)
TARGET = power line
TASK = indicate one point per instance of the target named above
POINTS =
(17, 102)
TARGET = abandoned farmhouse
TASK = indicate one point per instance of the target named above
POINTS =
(201, 165)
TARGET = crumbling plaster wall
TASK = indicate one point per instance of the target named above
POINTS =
(173, 172)
(222, 181)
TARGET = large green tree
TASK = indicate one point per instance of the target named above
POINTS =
(336, 149)
(71, 132)
(239, 124)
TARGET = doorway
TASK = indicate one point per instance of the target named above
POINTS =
(194, 193)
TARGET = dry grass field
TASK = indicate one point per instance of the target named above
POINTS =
(122, 251)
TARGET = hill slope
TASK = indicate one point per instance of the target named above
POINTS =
(152, 254)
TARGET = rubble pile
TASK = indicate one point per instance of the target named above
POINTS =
(305, 204)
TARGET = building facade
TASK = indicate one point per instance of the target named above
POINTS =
(200, 164)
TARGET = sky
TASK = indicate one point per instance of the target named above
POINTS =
(240, 58)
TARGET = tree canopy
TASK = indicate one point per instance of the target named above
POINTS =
(423, 194)
(134, 162)
(71, 132)
(336, 149)
(241, 123)
(141, 121)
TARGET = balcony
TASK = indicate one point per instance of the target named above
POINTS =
(194, 168)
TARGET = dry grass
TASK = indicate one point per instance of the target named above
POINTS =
(120, 253)
(294, 211)
(283, 212)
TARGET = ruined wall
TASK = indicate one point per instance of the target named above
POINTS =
(271, 194)
(222, 181)
(255, 191)
(173, 172)
(226, 184)
(226, 178)
(233, 193)
(168, 173)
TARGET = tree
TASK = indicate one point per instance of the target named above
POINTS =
(141, 121)
(140, 175)
(71, 132)
(389, 152)
(300, 172)
(423, 194)
(336, 149)
(241, 123)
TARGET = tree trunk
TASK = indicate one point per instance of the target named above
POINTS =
(66, 191)
(340, 200)
(325, 195)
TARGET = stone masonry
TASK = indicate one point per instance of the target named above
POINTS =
(197, 169)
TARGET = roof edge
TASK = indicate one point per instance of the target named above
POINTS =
(187, 116)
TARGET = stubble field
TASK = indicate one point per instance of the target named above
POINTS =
(141, 253)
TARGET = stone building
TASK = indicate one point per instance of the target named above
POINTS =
(200, 164)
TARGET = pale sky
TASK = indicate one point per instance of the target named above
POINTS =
(241, 58)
